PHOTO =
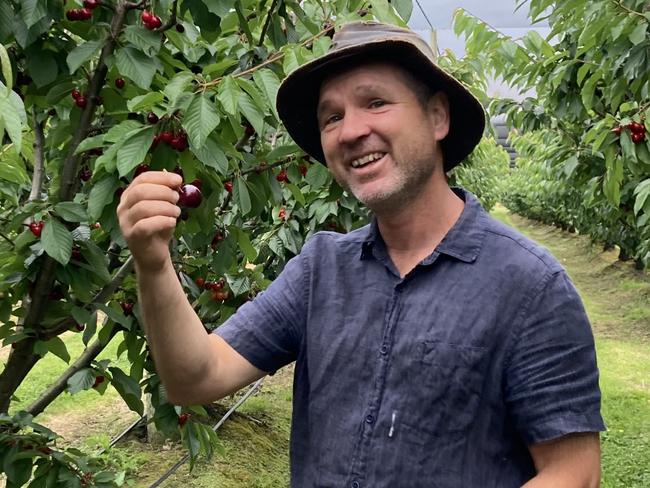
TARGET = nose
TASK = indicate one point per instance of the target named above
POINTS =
(353, 126)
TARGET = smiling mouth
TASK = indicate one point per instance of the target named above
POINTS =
(367, 159)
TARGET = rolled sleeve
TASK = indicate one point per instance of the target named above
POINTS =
(268, 330)
(552, 376)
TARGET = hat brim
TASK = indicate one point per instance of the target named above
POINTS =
(298, 95)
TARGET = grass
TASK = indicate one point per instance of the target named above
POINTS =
(255, 440)
(617, 299)
(254, 446)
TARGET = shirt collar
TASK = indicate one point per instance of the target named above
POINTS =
(463, 241)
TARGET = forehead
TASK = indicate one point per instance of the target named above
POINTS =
(376, 75)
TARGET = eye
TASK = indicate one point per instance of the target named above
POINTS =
(330, 119)
(377, 103)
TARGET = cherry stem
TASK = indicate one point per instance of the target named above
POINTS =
(172, 20)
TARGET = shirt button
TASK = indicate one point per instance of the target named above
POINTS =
(356, 484)
(383, 349)
(370, 419)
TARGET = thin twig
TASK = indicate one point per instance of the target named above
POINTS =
(629, 10)
(271, 60)
(267, 23)
(7, 239)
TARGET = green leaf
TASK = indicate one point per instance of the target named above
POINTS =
(304, 18)
(134, 149)
(241, 195)
(282, 152)
(59, 92)
(7, 73)
(82, 53)
(239, 284)
(12, 166)
(71, 211)
(317, 176)
(11, 120)
(57, 347)
(147, 41)
(90, 143)
(629, 149)
(118, 132)
(295, 191)
(98, 261)
(144, 101)
(583, 71)
(137, 66)
(32, 11)
(637, 36)
(177, 85)
(101, 194)
(404, 8)
(384, 12)
(252, 112)
(613, 180)
(212, 155)
(228, 94)
(57, 241)
(268, 82)
(83, 379)
(570, 166)
(41, 66)
(129, 390)
(290, 62)
(201, 118)
(642, 192)
(245, 244)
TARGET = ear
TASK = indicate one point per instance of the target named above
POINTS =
(438, 112)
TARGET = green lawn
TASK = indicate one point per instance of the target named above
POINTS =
(617, 299)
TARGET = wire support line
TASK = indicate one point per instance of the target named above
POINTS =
(425, 14)
(118, 437)
(182, 461)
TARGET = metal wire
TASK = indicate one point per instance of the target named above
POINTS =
(217, 425)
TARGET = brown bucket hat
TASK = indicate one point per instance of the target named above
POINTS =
(359, 42)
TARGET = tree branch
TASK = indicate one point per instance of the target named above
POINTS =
(70, 166)
(101, 297)
(39, 159)
(83, 361)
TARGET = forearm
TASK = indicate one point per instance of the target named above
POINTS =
(567, 477)
(175, 334)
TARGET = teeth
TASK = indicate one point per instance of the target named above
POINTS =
(367, 159)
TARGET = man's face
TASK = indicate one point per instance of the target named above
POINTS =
(379, 141)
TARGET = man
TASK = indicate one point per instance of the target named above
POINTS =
(435, 347)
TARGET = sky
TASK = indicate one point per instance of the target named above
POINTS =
(500, 14)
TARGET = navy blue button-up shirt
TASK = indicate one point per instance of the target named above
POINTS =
(438, 379)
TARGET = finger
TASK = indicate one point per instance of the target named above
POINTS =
(151, 208)
(172, 180)
(148, 192)
(151, 226)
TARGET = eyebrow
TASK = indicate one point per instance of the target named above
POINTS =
(371, 88)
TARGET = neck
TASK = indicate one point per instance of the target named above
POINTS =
(412, 231)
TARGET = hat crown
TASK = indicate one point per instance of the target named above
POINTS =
(368, 32)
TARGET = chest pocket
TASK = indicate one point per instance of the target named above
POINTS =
(444, 391)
